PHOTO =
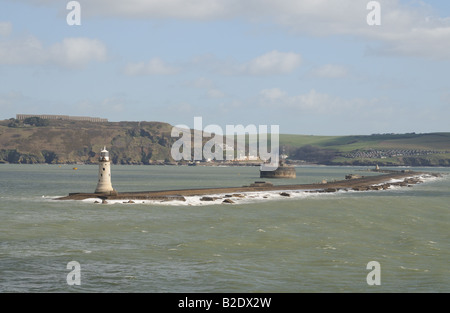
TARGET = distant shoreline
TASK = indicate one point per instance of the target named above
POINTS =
(238, 165)
(58, 141)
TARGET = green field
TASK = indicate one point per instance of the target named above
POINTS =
(437, 141)
(430, 149)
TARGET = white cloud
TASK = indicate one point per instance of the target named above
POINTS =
(417, 42)
(403, 26)
(207, 84)
(10, 100)
(72, 53)
(77, 52)
(201, 82)
(405, 30)
(24, 51)
(273, 93)
(215, 93)
(330, 71)
(112, 104)
(155, 66)
(312, 101)
(5, 29)
(184, 9)
(272, 63)
(181, 9)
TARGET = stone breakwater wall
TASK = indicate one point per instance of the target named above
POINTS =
(378, 182)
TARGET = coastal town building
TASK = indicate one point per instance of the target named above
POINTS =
(243, 157)
(390, 153)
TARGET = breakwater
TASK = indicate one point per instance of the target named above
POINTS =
(377, 182)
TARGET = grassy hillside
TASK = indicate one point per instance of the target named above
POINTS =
(60, 141)
(432, 149)
(438, 141)
(75, 141)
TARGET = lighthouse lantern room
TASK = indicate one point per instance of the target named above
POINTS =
(104, 173)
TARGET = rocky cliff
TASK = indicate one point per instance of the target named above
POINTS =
(79, 142)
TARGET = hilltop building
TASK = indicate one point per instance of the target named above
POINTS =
(22, 117)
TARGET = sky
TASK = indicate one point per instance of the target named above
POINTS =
(312, 67)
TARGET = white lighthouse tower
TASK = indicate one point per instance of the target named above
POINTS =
(104, 173)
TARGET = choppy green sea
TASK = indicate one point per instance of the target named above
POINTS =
(262, 243)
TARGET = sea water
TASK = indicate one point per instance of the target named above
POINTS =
(262, 243)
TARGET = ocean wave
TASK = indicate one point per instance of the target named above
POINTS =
(419, 179)
(216, 199)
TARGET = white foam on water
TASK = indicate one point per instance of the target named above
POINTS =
(423, 178)
(427, 178)
(253, 197)
(216, 199)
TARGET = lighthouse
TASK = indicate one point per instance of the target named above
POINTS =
(104, 173)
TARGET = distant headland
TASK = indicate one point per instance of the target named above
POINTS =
(61, 139)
